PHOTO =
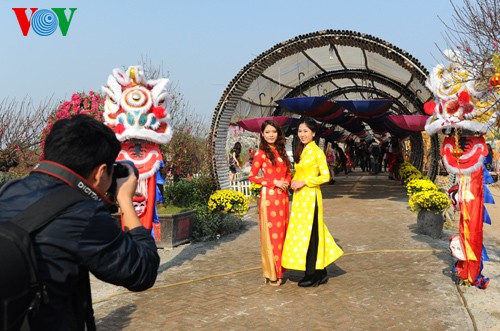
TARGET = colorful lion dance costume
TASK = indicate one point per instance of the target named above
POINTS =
(138, 112)
(460, 112)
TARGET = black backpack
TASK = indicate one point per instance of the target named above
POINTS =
(20, 289)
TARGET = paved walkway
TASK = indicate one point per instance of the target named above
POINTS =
(390, 277)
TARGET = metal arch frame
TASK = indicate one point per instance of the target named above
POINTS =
(359, 73)
(242, 81)
(416, 140)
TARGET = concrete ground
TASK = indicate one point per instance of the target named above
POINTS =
(390, 277)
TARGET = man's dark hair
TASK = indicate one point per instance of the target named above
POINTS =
(81, 143)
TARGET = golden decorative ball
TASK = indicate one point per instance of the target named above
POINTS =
(495, 80)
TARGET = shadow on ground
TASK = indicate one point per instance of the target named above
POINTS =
(191, 251)
(119, 318)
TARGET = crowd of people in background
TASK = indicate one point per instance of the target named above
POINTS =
(368, 155)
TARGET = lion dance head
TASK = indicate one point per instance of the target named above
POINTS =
(461, 110)
(138, 111)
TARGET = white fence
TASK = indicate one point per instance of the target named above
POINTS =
(241, 185)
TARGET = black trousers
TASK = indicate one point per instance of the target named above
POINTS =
(312, 250)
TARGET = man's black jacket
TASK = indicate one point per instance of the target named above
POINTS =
(83, 238)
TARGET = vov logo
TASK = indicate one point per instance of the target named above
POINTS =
(44, 22)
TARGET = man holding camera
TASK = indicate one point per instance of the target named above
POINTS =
(80, 152)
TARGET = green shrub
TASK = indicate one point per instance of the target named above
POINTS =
(180, 194)
(188, 193)
(204, 187)
(208, 225)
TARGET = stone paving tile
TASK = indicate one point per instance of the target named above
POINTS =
(390, 277)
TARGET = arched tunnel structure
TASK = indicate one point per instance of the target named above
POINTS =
(339, 65)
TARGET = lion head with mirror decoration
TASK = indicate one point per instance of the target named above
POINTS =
(462, 109)
(138, 111)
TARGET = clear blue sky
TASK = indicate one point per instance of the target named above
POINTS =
(202, 44)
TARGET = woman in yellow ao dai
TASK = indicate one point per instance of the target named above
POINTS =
(309, 246)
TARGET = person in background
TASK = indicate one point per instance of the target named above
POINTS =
(351, 155)
(488, 160)
(330, 160)
(309, 246)
(496, 163)
(395, 158)
(348, 162)
(375, 155)
(383, 156)
(251, 154)
(342, 159)
(363, 156)
(234, 160)
(271, 160)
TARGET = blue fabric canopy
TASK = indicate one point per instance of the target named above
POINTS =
(366, 109)
(309, 106)
(355, 115)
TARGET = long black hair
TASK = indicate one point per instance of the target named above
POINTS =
(279, 144)
(236, 149)
(311, 124)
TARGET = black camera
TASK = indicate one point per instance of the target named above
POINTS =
(120, 171)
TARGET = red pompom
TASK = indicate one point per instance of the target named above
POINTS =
(429, 107)
(119, 128)
(463, 98)
(159, 111)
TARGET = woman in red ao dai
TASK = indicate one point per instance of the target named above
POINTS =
(271, 169)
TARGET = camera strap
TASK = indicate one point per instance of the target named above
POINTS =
(71, 178)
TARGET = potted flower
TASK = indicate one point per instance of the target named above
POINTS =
(223, 214)
(408, 172)
(419, 185)
(228, 201)
(429, 204)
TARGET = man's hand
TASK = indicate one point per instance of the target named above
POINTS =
(125, 190)
(126, 186)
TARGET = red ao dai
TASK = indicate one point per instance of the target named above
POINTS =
(273, 210)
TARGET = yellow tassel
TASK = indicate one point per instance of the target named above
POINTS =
(470, 253)
(469, 196)
(465, 213)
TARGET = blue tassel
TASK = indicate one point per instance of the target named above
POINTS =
(487, 176)
(158, 196)
(159, 178)
(484, 255)
(488, 197)
(486, 216)
(155, 216)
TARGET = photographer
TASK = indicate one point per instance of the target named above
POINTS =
(84, 237)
